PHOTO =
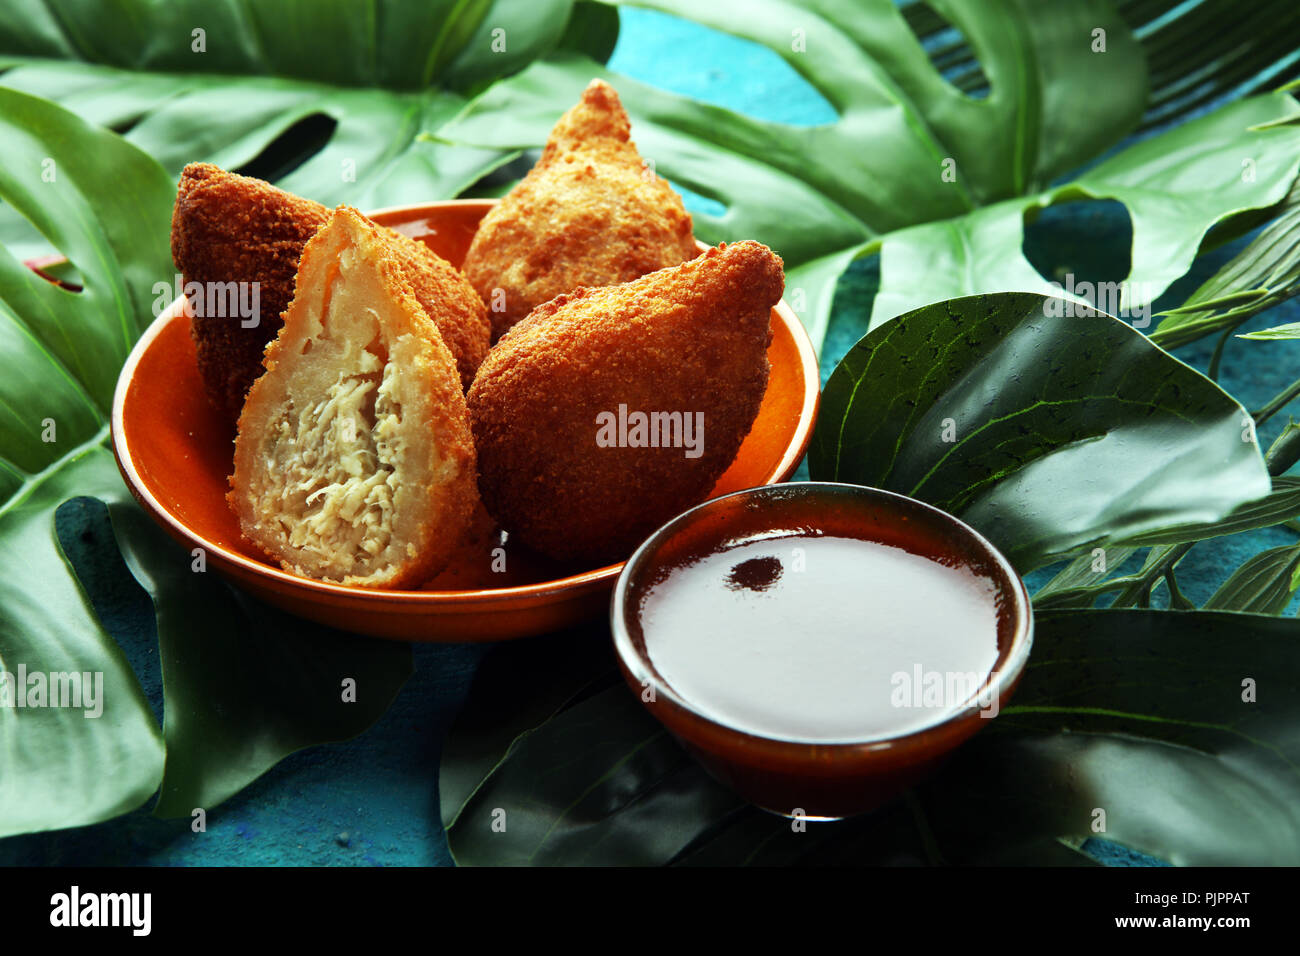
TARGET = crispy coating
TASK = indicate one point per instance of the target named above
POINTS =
(690, 339)
(353, 458)
(230, 228)
(590, 213)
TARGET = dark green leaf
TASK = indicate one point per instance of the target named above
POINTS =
(373, 84)
(516, 688)
(1142, 715)
(1082, 580)
(1281, 504)
(245, 685)
(1285, 450)
(592, 29)
(1176, 186)
(1199, 53)
(1135, 591)
(601, 782)
(1263, 584)
(1259, 277)
(61, 351)
(1048, 434)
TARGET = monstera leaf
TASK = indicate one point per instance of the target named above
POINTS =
(1176, 186)
(936, 181)
(338, 103)
(953, 118)
(1264, 274)
(106, 205)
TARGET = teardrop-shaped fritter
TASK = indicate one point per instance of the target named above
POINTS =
(608, 411)
(229, 228)
(590, 213)
(354, 461)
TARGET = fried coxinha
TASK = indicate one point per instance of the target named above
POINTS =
(590, 213)
(680, 353)
(229, 228)
(353, 459)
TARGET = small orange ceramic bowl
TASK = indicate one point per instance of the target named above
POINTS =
(817, 779)
(175, 454)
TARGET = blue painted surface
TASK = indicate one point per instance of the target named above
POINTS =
(373, 801)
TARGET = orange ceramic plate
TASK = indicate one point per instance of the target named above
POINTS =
(175, 454)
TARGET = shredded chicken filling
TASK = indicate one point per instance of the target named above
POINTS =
(336, 463)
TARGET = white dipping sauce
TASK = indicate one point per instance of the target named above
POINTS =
(822, 639)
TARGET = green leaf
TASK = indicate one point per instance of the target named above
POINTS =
(1033, 126)
(1135, 590)
(243, 686)
(247, 684)
(979, 252)
(1262, 585)
(1080, 582)
(1290, 330)
(1279, 505)
(1193, 56)
(542, 687)
(60, 767)
(873, 179)
(377, 82)
(819, 194)
(593, 30)
(516, 688)
(1176, 186)
(61, 351)
(1078, 586)
(1264, 274)
(1050, 435)
(600, 783)
(1140, 714)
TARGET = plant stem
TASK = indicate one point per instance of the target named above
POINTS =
(1285, 450)
(1217, 357)
(1232, 298)
(1177, 599)
(1138, 592)
(1277, 403)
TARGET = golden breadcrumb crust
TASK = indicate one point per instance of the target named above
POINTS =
(689, 339)
(231, 228)
(590, 213)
